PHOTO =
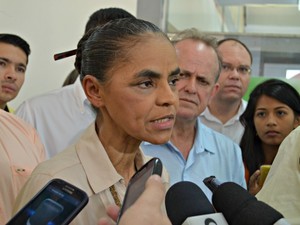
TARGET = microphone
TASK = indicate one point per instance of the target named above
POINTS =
(240, 207)
(187, 204)
(212, 183)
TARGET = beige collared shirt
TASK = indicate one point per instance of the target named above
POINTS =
(87, 166)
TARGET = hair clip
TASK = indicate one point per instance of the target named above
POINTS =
(66, 54)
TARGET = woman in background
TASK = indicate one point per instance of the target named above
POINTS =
(129, 71)
(273, 111)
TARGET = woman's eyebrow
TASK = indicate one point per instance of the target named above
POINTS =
(148, 73)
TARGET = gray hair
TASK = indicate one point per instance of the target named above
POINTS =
(208, 40)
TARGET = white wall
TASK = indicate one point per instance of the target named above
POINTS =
(50, 26)
(201, 14)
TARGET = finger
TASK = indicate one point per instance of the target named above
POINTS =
(113, 212)
(153, 187)
(104, 221)
(255, 176)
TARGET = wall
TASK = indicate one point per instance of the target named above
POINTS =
(50, 26)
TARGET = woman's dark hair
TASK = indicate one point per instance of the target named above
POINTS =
(104, 48)
(250, 143)
(102, 16)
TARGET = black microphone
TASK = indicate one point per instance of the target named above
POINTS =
(185, 199)
(240, 207)
(212, 183)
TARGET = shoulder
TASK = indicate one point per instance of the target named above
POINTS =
(15, 124)
(216, 139)
(47, 99)
(64, 163)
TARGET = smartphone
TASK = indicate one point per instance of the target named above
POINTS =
(264, 170)
(136, 185)
(57, 203)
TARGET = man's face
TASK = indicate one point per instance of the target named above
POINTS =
(235, 75)
(198, 65)
(13, 62)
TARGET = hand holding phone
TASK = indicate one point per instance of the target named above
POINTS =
(136, 185)
(56, 204)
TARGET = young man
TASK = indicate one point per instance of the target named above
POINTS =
(226, 106)
(196, 151)
(14, 52)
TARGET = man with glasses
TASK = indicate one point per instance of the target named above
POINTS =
(226, 106)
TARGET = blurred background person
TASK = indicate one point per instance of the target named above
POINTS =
(14, 52)
(71, 78)
(226, 106)
(273, 111)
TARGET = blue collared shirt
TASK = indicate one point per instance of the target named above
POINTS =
(212, 154)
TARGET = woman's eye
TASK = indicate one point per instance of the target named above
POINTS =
(174, 81)
(281, 113)
(146, 84)
(260, 114)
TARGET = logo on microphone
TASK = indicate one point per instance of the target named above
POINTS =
(210, 221)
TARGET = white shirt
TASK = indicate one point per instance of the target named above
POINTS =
(232, 128)
(59, 116)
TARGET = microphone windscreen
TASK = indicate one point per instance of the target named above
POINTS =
(185, 199)
(239, 207)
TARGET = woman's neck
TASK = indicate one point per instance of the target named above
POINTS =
(121, 151)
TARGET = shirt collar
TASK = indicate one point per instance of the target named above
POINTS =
(100, 172)
(207, 114)
(6, 108)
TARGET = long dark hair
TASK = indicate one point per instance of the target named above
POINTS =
(250, 144)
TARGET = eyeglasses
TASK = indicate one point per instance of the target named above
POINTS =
(244, 70)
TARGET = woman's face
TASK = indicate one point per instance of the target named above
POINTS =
(140, 99)
(273, 120)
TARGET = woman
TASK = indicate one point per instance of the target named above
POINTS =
(129, 72)
(273, 111)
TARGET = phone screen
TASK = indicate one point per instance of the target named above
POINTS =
(136, 185)
(56, 204)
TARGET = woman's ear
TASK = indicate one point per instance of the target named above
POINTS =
(93, 90)
(297, 121)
